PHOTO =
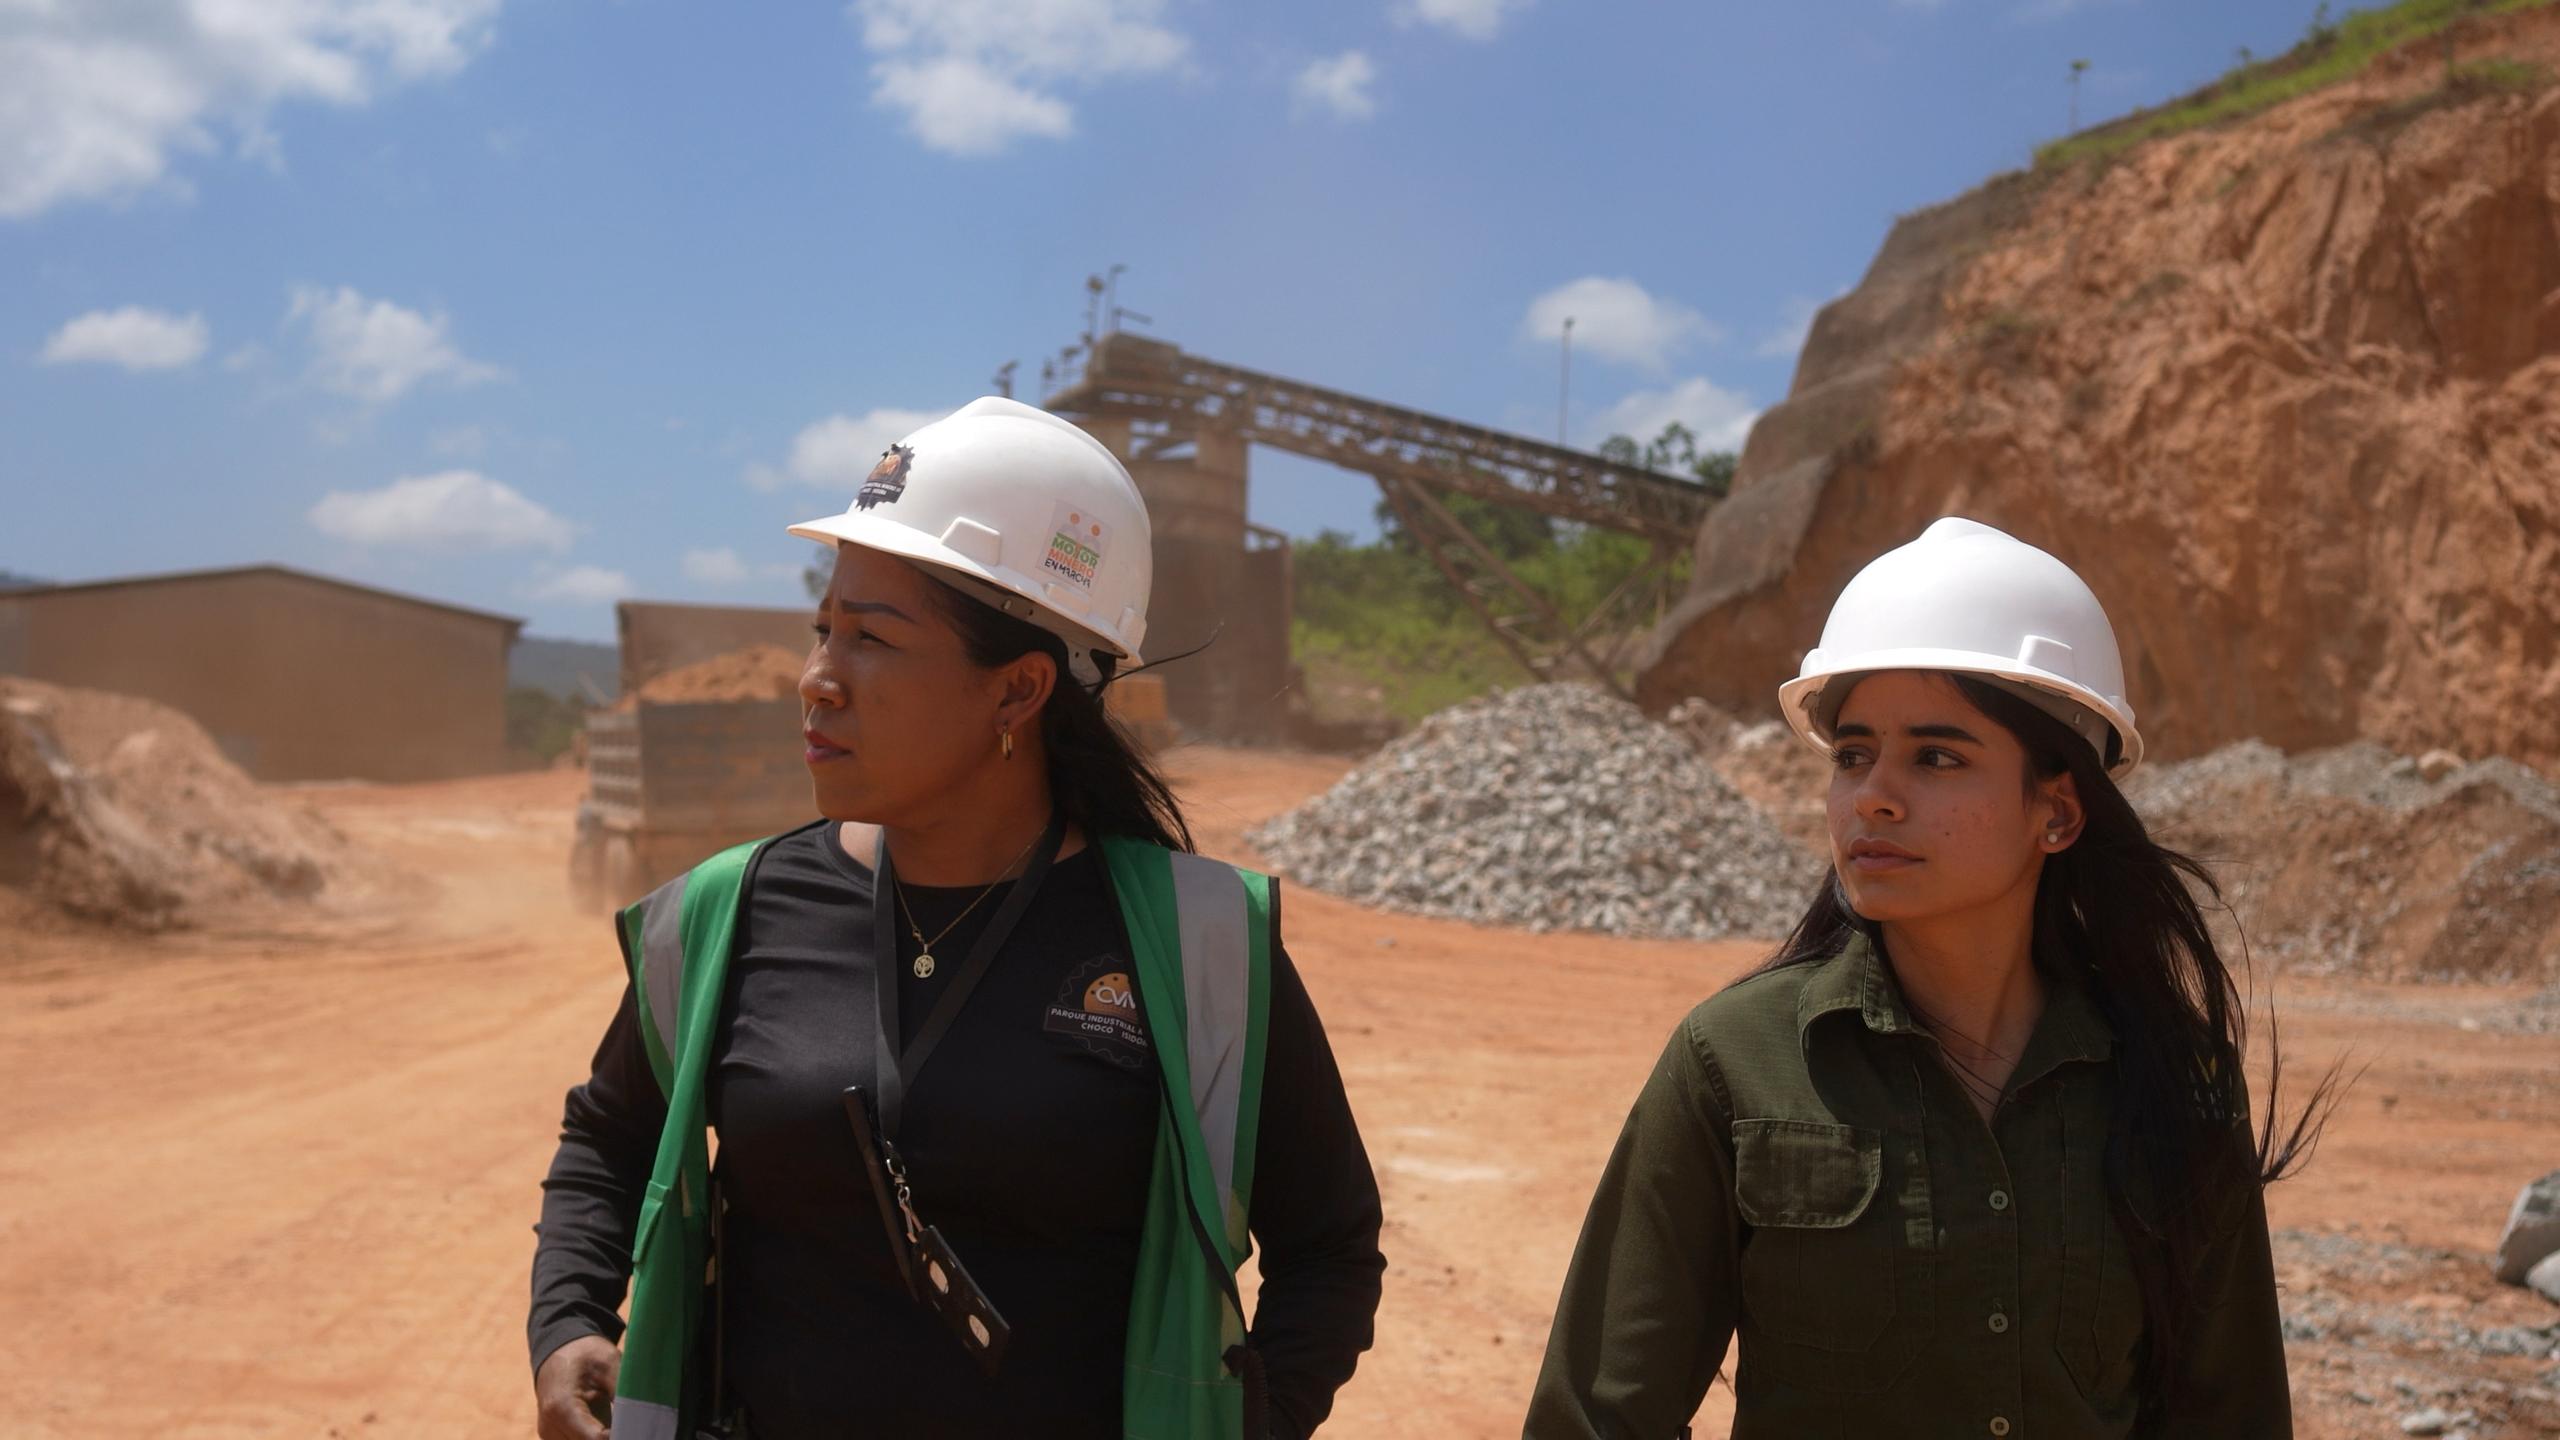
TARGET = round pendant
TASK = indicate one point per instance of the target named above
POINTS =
(924, 967)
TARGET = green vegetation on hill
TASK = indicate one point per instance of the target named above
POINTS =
(2329, 52)
(1380, 633)
(540, 724)
(568, 669)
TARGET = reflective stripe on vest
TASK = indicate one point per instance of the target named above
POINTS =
(1209, 905)
(662, 971)
(640, 1420)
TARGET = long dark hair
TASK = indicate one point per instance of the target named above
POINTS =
(2127, 915)
(1098, 779)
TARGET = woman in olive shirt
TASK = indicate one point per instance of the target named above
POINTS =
(1971, 1155)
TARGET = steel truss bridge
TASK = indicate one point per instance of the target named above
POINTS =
(1418, 460)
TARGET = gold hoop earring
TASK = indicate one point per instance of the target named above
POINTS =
(1007, 737)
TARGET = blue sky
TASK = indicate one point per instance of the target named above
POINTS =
(530, 304)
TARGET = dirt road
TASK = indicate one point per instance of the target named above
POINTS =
(278, 1180)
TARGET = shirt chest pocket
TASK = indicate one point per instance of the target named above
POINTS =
(1836, 1270)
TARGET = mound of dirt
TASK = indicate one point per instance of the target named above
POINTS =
(2349, 860)
(121, 810)
(1555, 807)
(759, 672)
(2282, 390)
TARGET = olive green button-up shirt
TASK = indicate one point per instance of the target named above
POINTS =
(1801, 1171)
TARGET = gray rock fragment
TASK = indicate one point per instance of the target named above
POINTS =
(2544, 1278)
(2533, 1229)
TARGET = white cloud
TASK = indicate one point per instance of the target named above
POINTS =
(1473, 19)
(132, 337)
(584, 585)
(1720, 418)
(837, 452)
(962, 107)
(725, 566)
(1614, 319)
(973, 76)
(95, 98)
(375, 350)
(1338, 87)
(450, 510)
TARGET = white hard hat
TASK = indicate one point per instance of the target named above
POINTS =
(1967, 598)
(1020, 509)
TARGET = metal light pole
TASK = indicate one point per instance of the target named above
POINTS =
(2076, 67)
(1564, 379)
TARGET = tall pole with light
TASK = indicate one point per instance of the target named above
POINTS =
(1564, 380)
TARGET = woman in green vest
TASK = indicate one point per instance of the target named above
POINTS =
(1971, 1155)
(1005, 1082)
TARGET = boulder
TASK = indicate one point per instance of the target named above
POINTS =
(2533, 1231)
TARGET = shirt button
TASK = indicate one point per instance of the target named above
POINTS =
(1999, 1323)
(1999, 1199)
(1999, 1424)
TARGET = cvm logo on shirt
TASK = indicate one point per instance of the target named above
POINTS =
(1097, 1007)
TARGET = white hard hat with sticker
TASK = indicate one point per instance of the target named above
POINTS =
(1018, 508)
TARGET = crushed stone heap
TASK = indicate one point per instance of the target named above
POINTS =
(1554, 807)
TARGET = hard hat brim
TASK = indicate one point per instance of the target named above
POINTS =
(1799, 699)
(890, 538)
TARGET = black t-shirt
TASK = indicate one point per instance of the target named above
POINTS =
(1029, 1135)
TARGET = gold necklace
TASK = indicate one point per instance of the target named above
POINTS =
(924, 966)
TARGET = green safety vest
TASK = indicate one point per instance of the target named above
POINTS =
(1201, 935)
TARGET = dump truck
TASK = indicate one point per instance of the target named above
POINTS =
(668, 784)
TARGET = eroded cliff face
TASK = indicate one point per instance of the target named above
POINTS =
(2286, 393)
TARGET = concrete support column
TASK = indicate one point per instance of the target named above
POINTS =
(1112, 431)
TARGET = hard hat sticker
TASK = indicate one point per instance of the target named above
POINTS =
(1076, 547)
(888, 479)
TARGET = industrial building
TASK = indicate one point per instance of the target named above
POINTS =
(296, 676)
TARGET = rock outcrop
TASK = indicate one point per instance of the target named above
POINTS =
(2286, 392)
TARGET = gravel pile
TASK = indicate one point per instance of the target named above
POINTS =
(1555, 807)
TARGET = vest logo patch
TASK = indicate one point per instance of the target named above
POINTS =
(1097, 1008)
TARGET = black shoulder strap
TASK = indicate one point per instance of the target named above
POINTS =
(894, 1066)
